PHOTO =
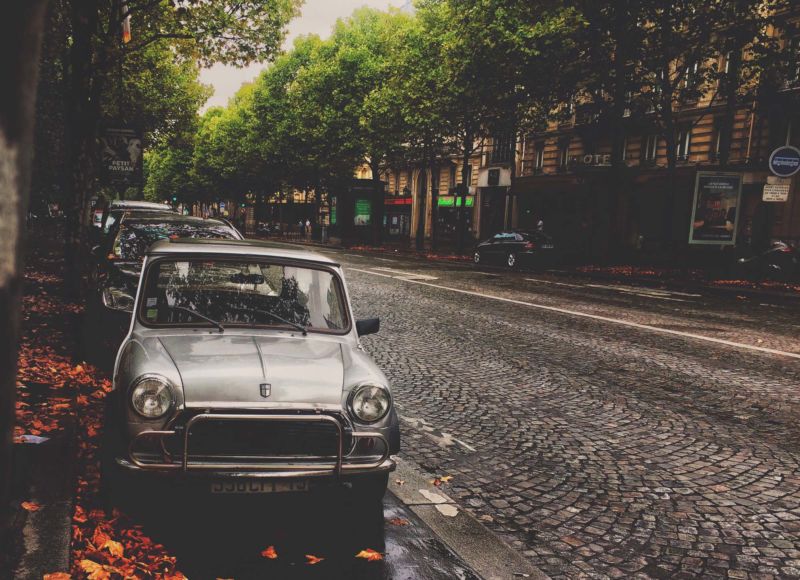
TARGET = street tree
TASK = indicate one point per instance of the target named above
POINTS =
(20, 39)
(224, 31)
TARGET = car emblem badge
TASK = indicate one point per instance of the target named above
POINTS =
(266, 390)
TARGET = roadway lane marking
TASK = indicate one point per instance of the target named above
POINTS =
(556, 283)
(384, 259)
(593, 316)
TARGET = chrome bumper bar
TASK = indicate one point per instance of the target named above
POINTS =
(278, 466)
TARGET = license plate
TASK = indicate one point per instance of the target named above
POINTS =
(547, 246)
(256, 486)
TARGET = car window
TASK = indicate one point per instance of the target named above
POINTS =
(243, 293)
(133, 239)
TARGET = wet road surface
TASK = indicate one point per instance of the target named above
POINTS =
(601, 429)
(224, 538)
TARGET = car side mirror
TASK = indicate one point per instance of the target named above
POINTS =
(368, 326)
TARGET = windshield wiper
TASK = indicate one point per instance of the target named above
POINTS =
(297, 325)
(198, 315)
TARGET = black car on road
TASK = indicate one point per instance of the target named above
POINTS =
(516, 248)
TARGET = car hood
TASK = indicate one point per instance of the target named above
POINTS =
(219, 371)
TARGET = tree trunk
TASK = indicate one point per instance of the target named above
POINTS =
(83, 112)
(436, 174)
(728, 117)
(466, 152)
(378, 206)
(422, 194)
(20, 39)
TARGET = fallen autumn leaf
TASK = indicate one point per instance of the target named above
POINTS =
(370, 555)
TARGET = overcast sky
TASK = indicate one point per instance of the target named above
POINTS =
(318, 17)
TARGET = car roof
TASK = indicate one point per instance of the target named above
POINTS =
(257, 248)
(144, 217)
(136, 204)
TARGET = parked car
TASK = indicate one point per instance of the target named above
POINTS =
(516, 248)
(242, 373)
(117, 263)
(781, 261)
(118, 208)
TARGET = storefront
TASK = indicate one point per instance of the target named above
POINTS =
(447, 220)
(397, 216)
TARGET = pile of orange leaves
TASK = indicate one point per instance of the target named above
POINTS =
(51, 391)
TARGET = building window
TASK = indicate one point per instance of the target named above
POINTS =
(683, 143)
(502, 146)
(538, 158)
(690, 77)
(563, 157)
(649, 148)
(793, 72)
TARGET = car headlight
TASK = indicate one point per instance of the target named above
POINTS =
(117, 299)
(369, 403)
(152, 397)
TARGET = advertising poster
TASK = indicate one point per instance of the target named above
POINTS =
(715, 213)
(121, 155)
(363, 215)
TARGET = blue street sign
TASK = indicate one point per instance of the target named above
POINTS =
(785, 161)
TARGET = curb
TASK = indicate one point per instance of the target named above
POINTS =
(44, 535)
(677, 285)
(477, 546)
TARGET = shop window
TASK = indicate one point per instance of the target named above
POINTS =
(452, 176)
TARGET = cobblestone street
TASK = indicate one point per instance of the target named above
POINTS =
(593, 446)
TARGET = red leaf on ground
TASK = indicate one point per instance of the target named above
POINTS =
(370, 555)
(311, 559)
(270, 553)
(31, 506)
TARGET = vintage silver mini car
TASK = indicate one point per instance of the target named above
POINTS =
(242, 372)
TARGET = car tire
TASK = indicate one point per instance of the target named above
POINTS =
(368, 491)
(114, 489)
(476, 257)
(511, 260)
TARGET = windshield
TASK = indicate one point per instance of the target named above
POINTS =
(243, 293)
(133, 239)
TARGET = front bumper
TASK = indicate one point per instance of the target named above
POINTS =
(324, 466)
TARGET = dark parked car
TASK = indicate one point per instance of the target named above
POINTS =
(117, 264)
(516, 248)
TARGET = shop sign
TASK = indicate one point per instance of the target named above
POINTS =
(715, 213)
(785, 161)
(455, 201)
(591, 160)
(363, 215)
(398, 201)
(121, 155)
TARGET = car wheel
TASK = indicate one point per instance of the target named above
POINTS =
(511, 260)
(368, 491)
(476, 257)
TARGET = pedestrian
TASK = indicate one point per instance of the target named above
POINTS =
(308, 228)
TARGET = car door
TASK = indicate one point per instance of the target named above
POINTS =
(494, 251)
